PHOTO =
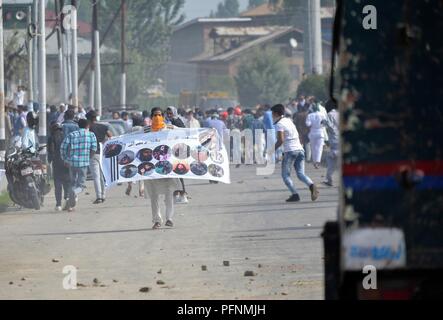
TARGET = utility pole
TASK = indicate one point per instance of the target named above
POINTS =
(92, 69)
(68, 63)
(75, 100)
(35, 65)
(61, 73)
(123, 56)
(42, 63)
(97, 62)
(307, 37)
(317, 54)
(30, 60)
(312, 39)
(2, 94)
(64, 47)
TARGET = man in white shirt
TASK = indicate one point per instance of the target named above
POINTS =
(62, 110)
(191, 122)
(19, 97)
(294, 155)
(317, 134)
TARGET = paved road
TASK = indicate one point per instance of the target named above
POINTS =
(246, 223)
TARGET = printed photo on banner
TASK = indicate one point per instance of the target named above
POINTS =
(179, 153)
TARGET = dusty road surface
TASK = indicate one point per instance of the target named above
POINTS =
(247, 223)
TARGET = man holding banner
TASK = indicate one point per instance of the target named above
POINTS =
(165, 187)
(161, 156)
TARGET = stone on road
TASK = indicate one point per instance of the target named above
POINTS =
(221, 223)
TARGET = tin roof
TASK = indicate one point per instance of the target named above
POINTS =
(246, 31)
(226, 56)
(273, 33)
(211, 20)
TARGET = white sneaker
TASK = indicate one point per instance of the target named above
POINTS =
(58, 209)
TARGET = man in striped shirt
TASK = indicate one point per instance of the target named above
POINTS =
(76, 151)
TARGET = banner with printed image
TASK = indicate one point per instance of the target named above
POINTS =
(179, 153)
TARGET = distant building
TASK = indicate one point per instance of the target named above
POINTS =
(204, 47)
(266, 14)
(189, 41)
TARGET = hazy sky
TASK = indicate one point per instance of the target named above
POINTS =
(202, 8)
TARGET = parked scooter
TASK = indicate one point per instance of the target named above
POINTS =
(27, 178)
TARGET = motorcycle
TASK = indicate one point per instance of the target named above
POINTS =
(27, 178)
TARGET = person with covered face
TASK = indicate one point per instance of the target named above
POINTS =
(166, 187)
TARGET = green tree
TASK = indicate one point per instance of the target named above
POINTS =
(222, 83)
(149, 27)
(15, 56)
(294, 5)
(314, 85)
(263, 77)
(228, 9)
(255, 3)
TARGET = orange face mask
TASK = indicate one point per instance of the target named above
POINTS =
(158, 123)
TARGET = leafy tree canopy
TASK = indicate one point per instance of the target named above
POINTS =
(227, 9)
(263, 77)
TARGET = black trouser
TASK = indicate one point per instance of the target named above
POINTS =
(61, 184)
(183, 185)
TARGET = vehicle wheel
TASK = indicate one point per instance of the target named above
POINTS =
(331, 245)
(12, 194)
(33, 193)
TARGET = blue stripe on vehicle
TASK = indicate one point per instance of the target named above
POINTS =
(388, 183)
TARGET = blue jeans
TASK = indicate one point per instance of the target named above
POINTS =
(296, 159)
(78, 179)
(332, 159)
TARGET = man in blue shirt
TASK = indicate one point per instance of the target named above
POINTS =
(20, 121)
(76, 151)
(69, 125)
(219, 125)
